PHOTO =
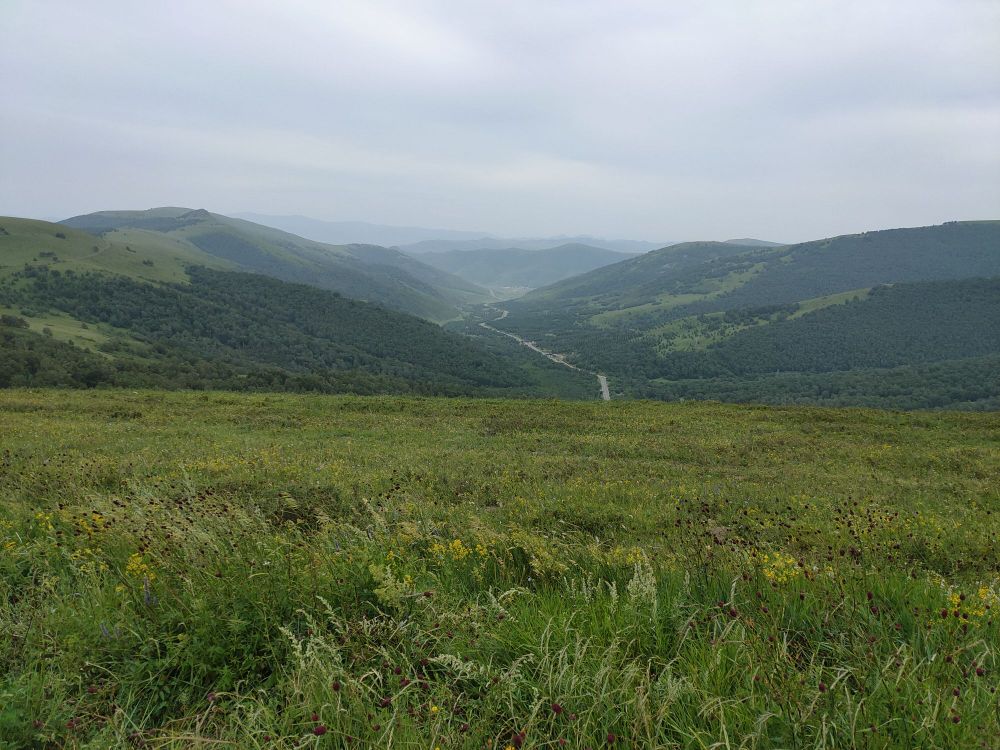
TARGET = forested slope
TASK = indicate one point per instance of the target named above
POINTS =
(364, 272)
(225, 329)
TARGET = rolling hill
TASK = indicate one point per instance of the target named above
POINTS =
(706, 319)
(138, 306)
(521, 269)
(364, 272)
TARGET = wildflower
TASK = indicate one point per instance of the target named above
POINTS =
(434, 709)
(518, 739)
(556, 708)
(320, 730)
(611, 738)
(315, 717)
(822, 687)
(336, 686)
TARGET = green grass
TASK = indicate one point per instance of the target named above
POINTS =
(137, 254)
(818, 303)
(698, 332)
(201, 570)
(63, 327)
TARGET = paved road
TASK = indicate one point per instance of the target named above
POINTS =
(605, 394)
(559, 359)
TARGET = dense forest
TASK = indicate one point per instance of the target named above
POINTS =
(245, 331)
(964, 384)
(893, 326)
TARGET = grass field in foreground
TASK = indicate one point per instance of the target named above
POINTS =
(218, 570)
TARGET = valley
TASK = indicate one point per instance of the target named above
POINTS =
(558, 359)
(500, 376)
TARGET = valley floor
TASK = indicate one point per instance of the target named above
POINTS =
(215, 569)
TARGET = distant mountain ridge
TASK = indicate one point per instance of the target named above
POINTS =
(519, 268)
(422, 240)
(631, 247)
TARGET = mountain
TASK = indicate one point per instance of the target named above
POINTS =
(698, 277)
(721, 320)
(143, 307)
(364, 272)
(357, 232)
(518, 268)
(530, 243)
(419, 240)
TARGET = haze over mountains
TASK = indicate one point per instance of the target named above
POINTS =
(422, 240)
(517, 268)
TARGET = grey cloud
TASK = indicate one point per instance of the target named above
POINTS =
(643, 119)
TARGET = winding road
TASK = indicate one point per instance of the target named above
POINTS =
(559, 359)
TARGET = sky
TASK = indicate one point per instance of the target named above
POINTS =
(785, 120)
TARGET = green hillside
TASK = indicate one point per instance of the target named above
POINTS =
(515, 268)
(363, 272)
(254, 571)
(700, 277)
(716, 320)
(136, 253)
(225, 329)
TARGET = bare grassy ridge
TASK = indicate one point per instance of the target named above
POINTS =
(195, 570)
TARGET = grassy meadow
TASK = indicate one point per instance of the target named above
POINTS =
(220, 570)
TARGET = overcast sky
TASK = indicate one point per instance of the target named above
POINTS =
(785, 120)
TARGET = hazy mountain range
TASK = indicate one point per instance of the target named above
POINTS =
(422, 240)
(516, 268)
